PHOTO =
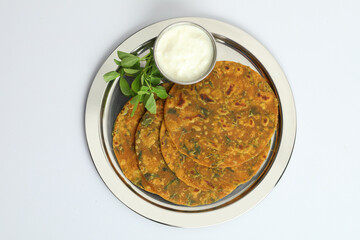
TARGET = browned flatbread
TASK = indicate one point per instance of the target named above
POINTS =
(224, 120)
(124, 142)
(205, 178)
(152, 165)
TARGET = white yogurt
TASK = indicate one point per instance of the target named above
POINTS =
(184, 53)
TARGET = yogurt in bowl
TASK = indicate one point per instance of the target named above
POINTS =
(185, 53)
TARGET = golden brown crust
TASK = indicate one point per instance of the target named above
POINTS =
(224, 120)
(123, 144)
(152, 165)
(205, 178)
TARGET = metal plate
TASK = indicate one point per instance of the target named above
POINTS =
(105, 101)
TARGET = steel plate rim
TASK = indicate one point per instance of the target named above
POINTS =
(181, 219)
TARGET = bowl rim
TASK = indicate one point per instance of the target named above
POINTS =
(213, 42)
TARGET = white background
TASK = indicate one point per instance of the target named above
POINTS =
(49, 54)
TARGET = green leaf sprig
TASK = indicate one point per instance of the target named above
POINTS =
(145, 83)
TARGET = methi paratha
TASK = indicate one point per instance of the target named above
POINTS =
(124, 142)
(224, 120)
(152, 165)
(205, 178)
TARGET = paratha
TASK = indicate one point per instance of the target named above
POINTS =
(124, 142)
(152, 165)
(224, 120)
(205, 178)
